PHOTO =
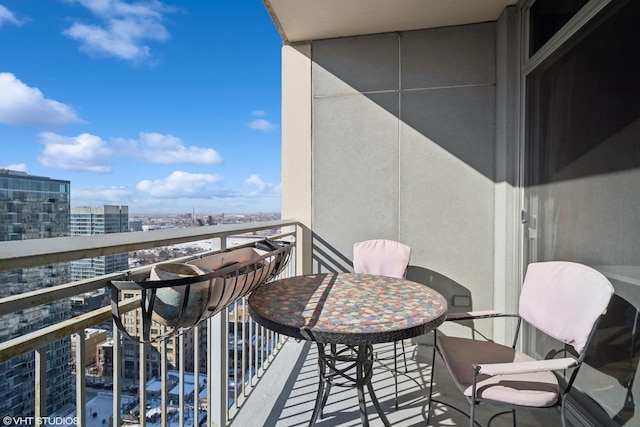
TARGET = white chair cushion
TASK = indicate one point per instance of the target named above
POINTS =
(538, 389)
(564, 299)
(382, 257)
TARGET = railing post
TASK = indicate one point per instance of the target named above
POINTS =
(304, 241)
(117, 375)
(163, 381)
(142, 387)
(218, 390)
(181, 383)
(196, 375)
(41, 382)
(209, 372)
(234, 362)
(81, 395)
(253, 349)
(219, 335)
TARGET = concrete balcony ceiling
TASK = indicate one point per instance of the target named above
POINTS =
(304, 20)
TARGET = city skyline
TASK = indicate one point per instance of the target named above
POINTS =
(161, 106)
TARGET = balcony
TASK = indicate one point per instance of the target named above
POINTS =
(227, 365)
(275, 385)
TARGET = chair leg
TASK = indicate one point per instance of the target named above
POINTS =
(515, 422)
(562, 410)
(433, 373)
(472, 413)
(395, 366)
(395, 370)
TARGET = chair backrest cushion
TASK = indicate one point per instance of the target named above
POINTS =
(382, 257)
(564, 300)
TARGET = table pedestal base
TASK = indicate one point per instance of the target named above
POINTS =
(358, 358)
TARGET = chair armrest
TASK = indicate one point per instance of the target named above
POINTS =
(470, 315)
(526, 367)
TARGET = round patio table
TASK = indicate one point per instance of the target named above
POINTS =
(357, 310)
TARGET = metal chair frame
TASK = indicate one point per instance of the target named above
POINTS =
(474, 401)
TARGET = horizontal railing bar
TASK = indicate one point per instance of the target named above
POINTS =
(19, 302)
(26, 253)
(43, 296)
(40, 338)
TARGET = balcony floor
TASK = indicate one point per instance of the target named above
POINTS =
(284, 397)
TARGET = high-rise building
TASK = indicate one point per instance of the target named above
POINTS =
(132, 322)
(92, 338)
(106, 219)
(34, 207)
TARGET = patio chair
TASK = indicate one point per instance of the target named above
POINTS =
(565, 301)
(385, 258)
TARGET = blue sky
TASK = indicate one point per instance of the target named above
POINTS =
(162, 106)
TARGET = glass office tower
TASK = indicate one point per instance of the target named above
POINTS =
(33, 207)
(106, 219)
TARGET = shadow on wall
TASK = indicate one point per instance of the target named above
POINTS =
(458, 297)
(327, 259)
(432, 80)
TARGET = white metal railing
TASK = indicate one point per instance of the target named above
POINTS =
(228, 379)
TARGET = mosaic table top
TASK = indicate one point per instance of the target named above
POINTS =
(348, 308)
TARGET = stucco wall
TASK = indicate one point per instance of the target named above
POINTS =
(405, 143)
(404, 148)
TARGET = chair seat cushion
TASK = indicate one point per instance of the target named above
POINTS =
(538, 389)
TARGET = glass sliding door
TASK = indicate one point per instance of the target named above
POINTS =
(582, 145)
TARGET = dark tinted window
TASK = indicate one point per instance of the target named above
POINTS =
(546, 17)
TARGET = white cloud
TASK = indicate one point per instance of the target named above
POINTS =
(124, 28)
(258, 113)
(111, 8)
(181, 184)
(100, 195)
(262, 125)
(21, 105)
(20, 167)
(167, 149)
(6, 16)
(87, 152)
(255, 181)
(84, 152)
(259, 188)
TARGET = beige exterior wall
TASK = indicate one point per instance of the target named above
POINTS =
(409, 136)
(297, 145)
